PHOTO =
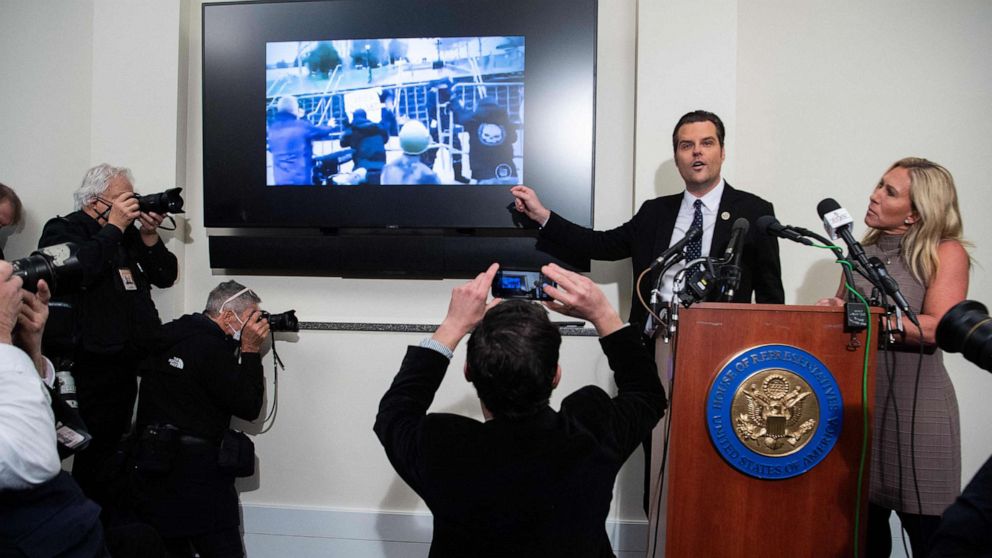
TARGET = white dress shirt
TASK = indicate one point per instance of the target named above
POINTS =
(711, 204)
(28, 454)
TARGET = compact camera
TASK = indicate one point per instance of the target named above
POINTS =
(286, 321)
(51, 263)
(521, 284)
(168, 201)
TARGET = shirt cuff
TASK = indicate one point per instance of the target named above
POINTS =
(437, 346)
(49, 377)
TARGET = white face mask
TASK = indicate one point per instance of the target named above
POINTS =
(236, 334)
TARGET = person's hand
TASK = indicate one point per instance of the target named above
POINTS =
(832, 301)
(577, 296)
(123, 211)
(254, 333)
(467, 307)
(31, 323)
(10, 301)
(149, 227)
(529, 204)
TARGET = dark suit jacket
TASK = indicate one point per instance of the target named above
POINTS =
(649, 233)
(537, 486)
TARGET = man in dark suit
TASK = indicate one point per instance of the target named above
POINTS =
(698, 142)
(529, 481)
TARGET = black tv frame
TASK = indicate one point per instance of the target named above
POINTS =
(436, 231)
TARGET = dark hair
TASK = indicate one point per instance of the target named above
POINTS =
(698, 116)
(8, 193)
(512, 358)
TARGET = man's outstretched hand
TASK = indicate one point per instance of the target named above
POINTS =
(577, 296)
(467, 306)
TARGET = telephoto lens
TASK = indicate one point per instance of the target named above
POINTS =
(967, 329)
(51, 263)
(286, 321)
(168, 201)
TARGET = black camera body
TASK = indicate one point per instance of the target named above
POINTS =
(285, 321)
(168, 201)
(51, 263)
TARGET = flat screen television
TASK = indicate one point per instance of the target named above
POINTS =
(332, 124)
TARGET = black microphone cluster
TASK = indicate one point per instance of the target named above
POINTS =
(838, 224)
(722, 276)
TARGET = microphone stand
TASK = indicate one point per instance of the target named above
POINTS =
(848, 273)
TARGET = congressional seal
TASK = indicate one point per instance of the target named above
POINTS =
(774, 411)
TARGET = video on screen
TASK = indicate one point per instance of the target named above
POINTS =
(395, 111)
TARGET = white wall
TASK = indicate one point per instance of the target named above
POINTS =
(818, 100)
(45, 109)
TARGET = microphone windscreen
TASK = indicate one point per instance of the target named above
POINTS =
(741, 223)
(766, 222)
(826, 206)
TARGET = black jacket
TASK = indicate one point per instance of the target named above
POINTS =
(194, 380)
(538, 486)
(649, 233)
(105, 317)
(368, 139)
(196, 383)
(51, 519)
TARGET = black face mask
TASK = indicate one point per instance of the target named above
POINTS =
(105, 213)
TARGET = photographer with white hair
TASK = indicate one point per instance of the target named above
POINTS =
(103, 323)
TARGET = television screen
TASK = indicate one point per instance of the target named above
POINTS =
(395, 111)
(381, 114)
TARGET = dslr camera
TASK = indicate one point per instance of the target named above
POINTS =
(52, 263)
(285, 321)
(168, 201)
(967, 329)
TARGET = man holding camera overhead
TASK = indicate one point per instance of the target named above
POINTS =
(103, 321)
(207, 368)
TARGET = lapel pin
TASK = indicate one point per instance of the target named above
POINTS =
(725, 215)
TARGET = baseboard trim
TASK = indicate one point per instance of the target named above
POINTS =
(300, 531)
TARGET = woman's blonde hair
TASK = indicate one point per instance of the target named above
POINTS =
(934, 198)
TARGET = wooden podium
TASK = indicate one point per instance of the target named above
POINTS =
(718, 508)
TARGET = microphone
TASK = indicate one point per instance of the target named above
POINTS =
(692, 234)
(730, 272)
(768, 224)
(736, 243)
(891, 288)
(837, 222)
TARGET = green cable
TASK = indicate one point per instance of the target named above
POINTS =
(864, 406)
(864, 421)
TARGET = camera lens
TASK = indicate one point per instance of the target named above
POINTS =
(967, 329)
(168, 201)
(285, 321)
(31, 269)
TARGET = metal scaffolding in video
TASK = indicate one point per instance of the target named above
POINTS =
(395, 111)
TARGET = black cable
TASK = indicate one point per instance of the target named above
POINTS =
(276, 364)
(664, 465)
(912, 425)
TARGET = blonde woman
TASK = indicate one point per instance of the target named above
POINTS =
(914, 227)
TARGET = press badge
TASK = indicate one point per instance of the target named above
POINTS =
(127, 279)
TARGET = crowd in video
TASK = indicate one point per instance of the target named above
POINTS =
(395, 111)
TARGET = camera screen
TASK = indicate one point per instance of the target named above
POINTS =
(520, 284)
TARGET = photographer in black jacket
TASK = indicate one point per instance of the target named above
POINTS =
(103, 323)
(208, 368)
